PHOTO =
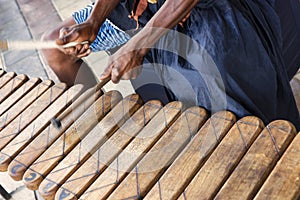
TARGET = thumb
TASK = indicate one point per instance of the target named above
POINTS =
(67, 36)
(107, 72)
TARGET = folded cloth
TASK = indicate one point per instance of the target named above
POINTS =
(109, 35)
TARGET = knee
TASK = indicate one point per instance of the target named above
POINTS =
(50, 55)
(50, 35)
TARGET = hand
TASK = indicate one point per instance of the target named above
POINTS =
(125, 64)
(184, 19)
(77, 33)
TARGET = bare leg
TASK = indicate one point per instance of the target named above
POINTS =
(69, 69)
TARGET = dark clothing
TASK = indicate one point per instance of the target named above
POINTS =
(289, 15)
(227, 56)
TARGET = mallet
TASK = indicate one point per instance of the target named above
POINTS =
(56, 122)
(34, 44)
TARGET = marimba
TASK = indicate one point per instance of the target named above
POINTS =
(110, 147)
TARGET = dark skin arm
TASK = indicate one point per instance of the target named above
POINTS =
(127, 61)
(86, 31)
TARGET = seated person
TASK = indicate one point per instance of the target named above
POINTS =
(217, 54)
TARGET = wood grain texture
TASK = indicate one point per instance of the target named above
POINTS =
(256, 165)
(295, 84)
(43, 141)
(284, 181)
(87, 94)
(18, 94)
(175, 179)
(29, 114)
(23, 139)
(146, 173)
(224, 159)
(17, 109)
(66, 142)
(6, 78)
(104, 154)
(12, 86)
(131, 155)
(95, 138)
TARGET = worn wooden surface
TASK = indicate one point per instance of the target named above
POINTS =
(104, 155)
(18, 95)
(12, 86)
(114, 148)
(192, 157)
(26, 157)
(37, 126)
(295, 84)
(6, 78)
(284, 181)
(66, 142)
(95, 138)
(131, 155)
(29, 114)
(224, 159)
(17, 109)
(159, 158)
(256, 165)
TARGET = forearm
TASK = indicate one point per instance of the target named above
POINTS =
(170, 14)
(101, 11)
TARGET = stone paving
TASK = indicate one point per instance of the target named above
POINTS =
(13, 26)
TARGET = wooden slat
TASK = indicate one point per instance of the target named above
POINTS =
(17, 95)
(66, 142)
(256, 165)
(25, 158)
(26, 117)
(162, 154)
(295, 84)
(12, 86)
(284, 181)
(108, 151)
(124, 163)
(24, 103)
(95, 138)
(2, 72)
(224, 159)
(37, 126)
(175, 179)
(6, 78)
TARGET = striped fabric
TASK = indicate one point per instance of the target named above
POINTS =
(109, 35)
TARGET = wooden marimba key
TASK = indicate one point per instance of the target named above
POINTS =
(110, 147)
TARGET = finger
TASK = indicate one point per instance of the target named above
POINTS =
(62, 32)
(107, 72)
(132, 74)
(69, 36)
(84, 54)
(70, 50)
(82, 48)
(115, 75)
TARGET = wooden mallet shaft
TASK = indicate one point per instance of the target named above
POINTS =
(56, 122)
(34, 44)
